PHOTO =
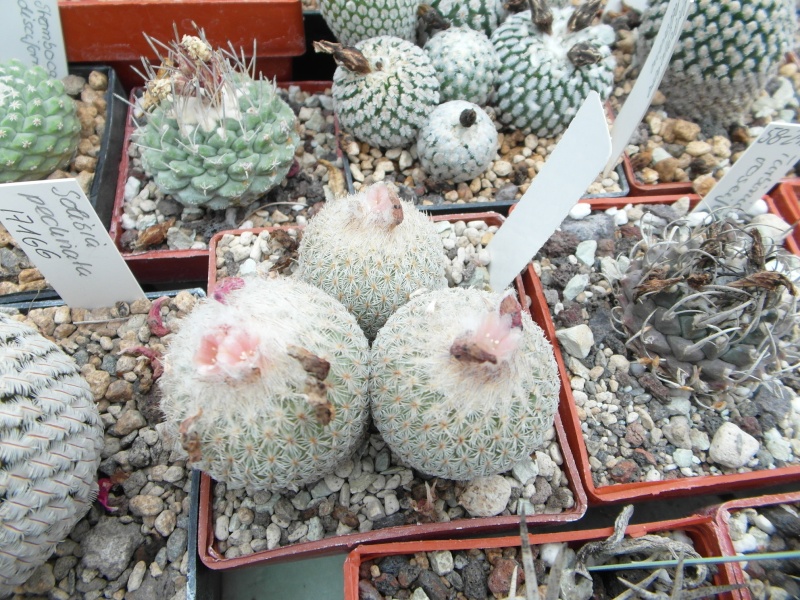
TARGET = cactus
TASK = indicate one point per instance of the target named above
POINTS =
(39, 127)
(709, 307)
(464, 384)
(268, 388)
(549, 62)
(726, 54)
(215, 137)
(353, 21)
(465, 63)
(51, 437)
(458, 142)
(480, 15)
(383, 89)
(370, 251)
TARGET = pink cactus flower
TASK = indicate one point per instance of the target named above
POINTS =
(228, 352)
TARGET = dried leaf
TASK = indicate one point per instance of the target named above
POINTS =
(768, 280)
(153, 235)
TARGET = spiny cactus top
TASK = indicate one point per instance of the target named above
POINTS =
(458, 142)
(268, 388)
(51, 437)
(383, 90)
(726, 54)
(353, 21)
(216, 137)
(549, 63)
(371, 251)
(480, 15)
(464, 384)
(465, 62)
(710, 306)
(39, 127)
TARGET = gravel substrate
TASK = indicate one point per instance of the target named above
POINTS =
(374, 490)
(132, 543)
(635, 428)
(769, 529)
(146, 207)
(17, 273)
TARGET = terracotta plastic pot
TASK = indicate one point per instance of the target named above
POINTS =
(275, 25)
(157, 266)
(214, 560)
(645, 490)
(699, 528)
(783, 200)
(638, 188)
(722, 515)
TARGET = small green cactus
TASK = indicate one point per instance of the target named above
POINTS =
(51, 437)
(268, 387)
(215, 136)
(353, 21)
(39, 127)
(383, 89)
(458, 142)
(727, 52)
(480, 15)
(371, 251)
(464, 384)
(549, 62)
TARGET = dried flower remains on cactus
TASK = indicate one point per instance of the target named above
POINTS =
(214, 136)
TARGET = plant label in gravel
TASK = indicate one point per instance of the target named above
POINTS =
(581, 153)
(646, 84)
(57, 228)
(762, 165)
(31, 32)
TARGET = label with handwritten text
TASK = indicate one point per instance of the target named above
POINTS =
(30, 31)
(762, 165)
(57, 228)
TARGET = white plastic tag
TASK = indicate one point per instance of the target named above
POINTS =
(30, 31)
(761, 166)
(650, 75)
(56, 226)
(564, 178)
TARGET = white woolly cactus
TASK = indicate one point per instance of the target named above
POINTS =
(371, 251)
(51, 437)
(458, 142)
(464, 384)
(268, 388)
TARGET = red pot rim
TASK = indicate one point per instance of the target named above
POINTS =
(214, 560)
(783, 201)
(639, 188)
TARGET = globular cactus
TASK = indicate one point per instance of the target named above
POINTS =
(371, 251)
(464, 384)
(353, 21)
(458, 142)
(465, 62)
(51, 437)
(709, 306)
(268, 388)
(480, 15)
(727, 53)
(39, 127)
(383, 89)
(215, 136)
(549, 62)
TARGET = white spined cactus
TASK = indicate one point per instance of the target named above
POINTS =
(371, 251)
(353, 21)
(464, 384)
(51, 437)
(268, 388)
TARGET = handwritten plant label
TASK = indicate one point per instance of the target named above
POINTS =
(571, 168)
(30, 31)
(56, 226)
(649, 78)
(767, 159)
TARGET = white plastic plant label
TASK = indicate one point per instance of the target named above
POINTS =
(57, 228)
(564, 178)
(761, 166)
(30, 31)
(650, 75)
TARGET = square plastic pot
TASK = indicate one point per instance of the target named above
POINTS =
(644, 490)
(275, 25)
(215, 560)
(699, 528)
